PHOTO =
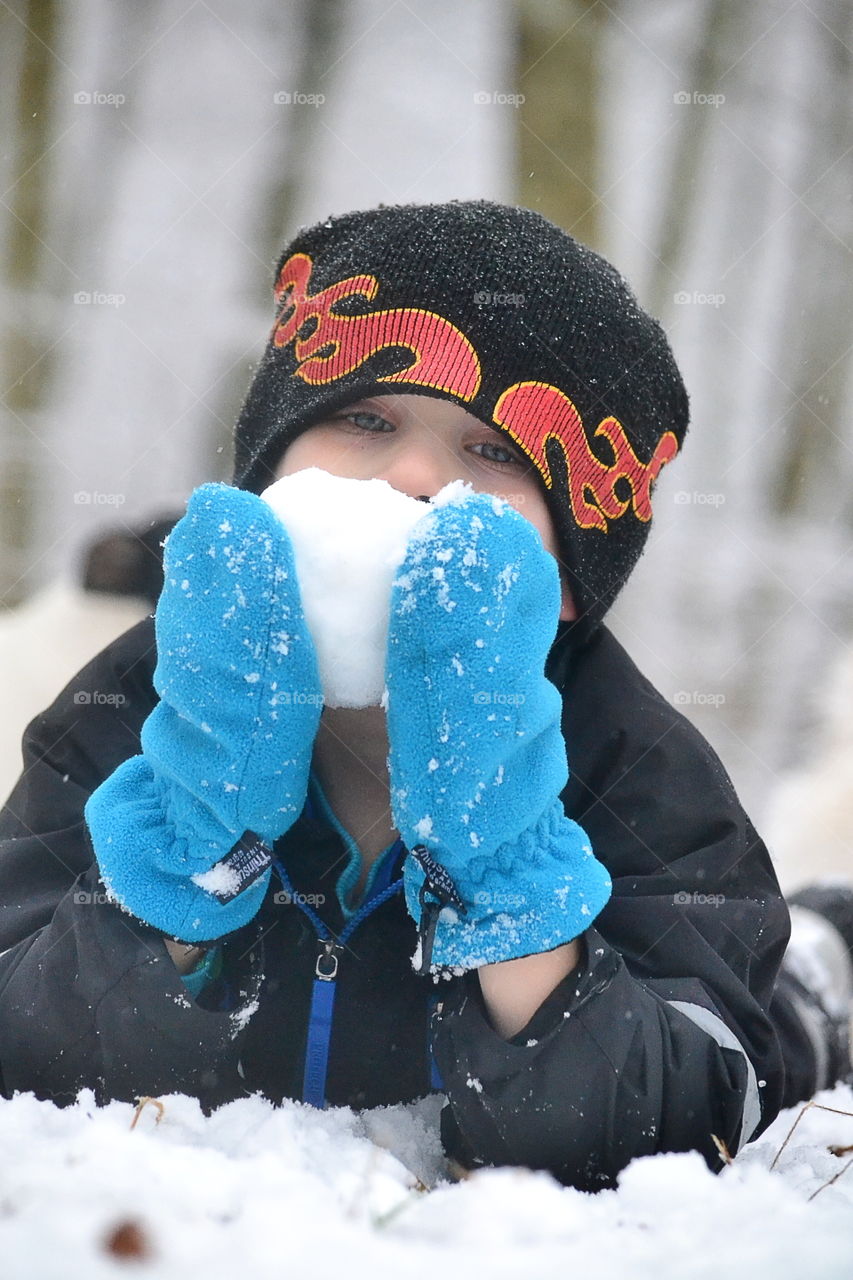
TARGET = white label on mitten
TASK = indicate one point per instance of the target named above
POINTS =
(349, 537)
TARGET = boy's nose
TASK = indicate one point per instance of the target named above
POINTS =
(419, 474)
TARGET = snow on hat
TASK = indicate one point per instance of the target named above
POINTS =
(504, 313)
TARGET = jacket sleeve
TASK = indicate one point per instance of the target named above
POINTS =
(661, 1037)
(88, 995)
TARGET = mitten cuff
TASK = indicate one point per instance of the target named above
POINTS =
(532, 896)
(194, 890)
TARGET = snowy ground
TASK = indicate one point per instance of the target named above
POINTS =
(256, 1190)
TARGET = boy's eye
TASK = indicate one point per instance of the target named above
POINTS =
(368, 421)
(494, 452)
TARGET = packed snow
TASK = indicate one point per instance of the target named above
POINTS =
(349, 538)
(257, 1190)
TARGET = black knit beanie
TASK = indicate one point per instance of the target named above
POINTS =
(502, 312)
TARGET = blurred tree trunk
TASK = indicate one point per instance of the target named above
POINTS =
(743, 208)
(816, 472)
(159, 155)
(321, 22)
(714, 46)
(560, 78)
(27, 32)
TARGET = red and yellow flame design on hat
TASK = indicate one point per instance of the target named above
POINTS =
(444, 359)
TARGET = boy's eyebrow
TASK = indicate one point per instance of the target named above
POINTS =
(373, 401)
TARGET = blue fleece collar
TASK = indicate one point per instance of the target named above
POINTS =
(318, 807)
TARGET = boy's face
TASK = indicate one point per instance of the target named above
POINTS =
(418, 444)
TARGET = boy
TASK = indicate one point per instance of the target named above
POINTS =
(302, 884)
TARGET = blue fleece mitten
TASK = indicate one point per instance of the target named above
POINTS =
(477, 760)
(183, 832)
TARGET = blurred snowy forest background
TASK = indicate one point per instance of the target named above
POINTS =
(156, 156)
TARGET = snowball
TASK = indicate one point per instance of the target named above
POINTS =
(349, 538)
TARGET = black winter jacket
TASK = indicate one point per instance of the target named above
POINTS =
(662, 1037)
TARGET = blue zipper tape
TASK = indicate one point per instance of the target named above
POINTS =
(323, 992)
(317, 1044)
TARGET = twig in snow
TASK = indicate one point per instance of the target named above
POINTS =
(836, 1111)
(834, 1177)
(725, 1154)
(381, 1220)
(142, 1104)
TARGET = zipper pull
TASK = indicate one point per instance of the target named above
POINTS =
(438, 883)
(326, 968)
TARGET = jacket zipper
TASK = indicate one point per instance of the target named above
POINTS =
(324, 987)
